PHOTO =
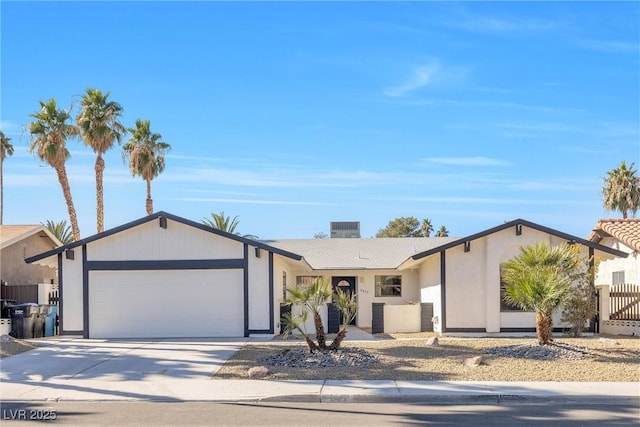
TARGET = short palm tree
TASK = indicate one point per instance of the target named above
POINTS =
(6, 150)
(539, 279)
(311, 299)
(49, 133)
(61, 230)
(222, 222)
(226, 223)
(99, 125)
(621, 190)
(442, 232)
(145, 152)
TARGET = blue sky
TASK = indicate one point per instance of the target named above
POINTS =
(294, 114)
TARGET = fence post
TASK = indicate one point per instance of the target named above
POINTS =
(603, 291)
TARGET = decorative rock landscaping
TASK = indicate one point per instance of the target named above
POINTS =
(302, 358)
(550, 351)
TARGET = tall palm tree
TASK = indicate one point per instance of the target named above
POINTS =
(99, 125)
(145, 152)
(61, 230)
(539, 279)
(6, 149)
(442, 232)
(49, 133)
(426, 227)
(621, 190)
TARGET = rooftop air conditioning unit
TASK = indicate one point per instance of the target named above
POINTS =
(345, 229)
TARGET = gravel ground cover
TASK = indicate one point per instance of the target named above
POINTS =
(10, 346)
(409, 358)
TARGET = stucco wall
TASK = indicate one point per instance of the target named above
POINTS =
(429, 279)
(630, 265)
(473, 281)
(178, 241)
(259, 290)
(15, 271)
(72, 293)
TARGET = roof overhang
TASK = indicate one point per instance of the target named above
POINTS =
(517, 224)
(162, 216)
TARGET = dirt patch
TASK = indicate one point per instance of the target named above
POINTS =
(412, 359)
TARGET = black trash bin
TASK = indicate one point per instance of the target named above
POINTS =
(23, 317)
(5, 313)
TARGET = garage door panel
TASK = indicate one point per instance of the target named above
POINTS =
(190, 303)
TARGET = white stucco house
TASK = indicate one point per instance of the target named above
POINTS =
(166, 276)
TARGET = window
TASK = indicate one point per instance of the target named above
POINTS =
(505, 306)
(388, 286)
(617, 278)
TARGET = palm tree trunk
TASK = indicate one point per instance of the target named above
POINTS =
(338, 339)
(320, 336)
(544, 328)
(66, 190)
(149, 200)
(99, 194)
(312, 346)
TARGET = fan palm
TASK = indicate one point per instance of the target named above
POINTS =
(61, 230)
(145, 152)
(99, 125)
(539, 279)
(621, 190)
(442, 232)
(222, 222)
(226, 223)
(311, 299)
(426, 227)
(6, 149)
(49, 133)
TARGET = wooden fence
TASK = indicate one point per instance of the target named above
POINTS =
(624, 302)
(20, 293)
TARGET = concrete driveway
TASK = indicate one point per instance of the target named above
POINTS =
(77, 369)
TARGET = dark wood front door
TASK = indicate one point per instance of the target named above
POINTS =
(347, 284)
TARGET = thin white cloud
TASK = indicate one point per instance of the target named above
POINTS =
(467, 161)
(483, 200)
(420, 77)
(478, 23)
(608, 46)
(248, 201)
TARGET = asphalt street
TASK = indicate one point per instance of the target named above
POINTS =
(317, 414)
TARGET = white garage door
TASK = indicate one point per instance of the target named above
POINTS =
(166, 304)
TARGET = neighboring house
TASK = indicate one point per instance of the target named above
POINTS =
(18, 242)
(165, 276)
(622, 235)
(618, 279)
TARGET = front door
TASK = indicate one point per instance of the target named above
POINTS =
(347, 284)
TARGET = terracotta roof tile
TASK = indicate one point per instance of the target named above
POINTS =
(625, 230)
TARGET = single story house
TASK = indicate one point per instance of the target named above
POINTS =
(166, 276)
